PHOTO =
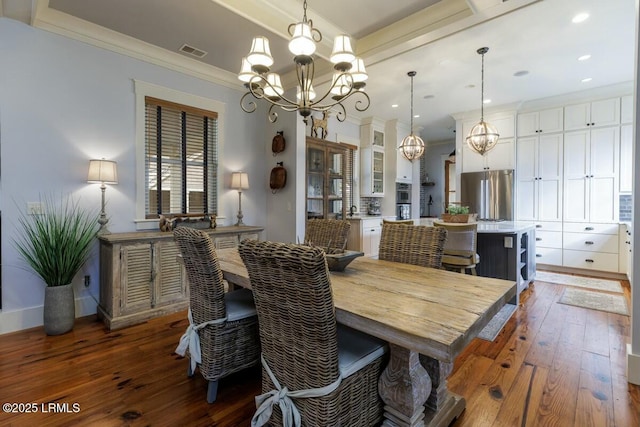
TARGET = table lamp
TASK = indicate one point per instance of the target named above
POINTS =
(104, 172)
(239, 181)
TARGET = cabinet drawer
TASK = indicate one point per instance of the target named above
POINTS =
(548, 226)
(371, 223)
(591, 242)
(591, 227)
(550, 256)
(590, 260)
(549, 239)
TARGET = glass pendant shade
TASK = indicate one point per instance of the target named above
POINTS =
(482, 137)
(342, 54)
(412, 147)
(301, 42)
(273, 88)
(260, 55)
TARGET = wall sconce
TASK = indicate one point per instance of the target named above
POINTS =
(239, 181)
(103, 172)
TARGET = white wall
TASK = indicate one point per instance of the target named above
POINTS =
(63, 102)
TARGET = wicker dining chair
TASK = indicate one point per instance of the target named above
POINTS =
(412, 244)
(223, 327)
(303, 348)
(329, 234)
(460, 251)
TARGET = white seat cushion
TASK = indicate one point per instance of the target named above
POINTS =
(356, 350)
(239, 304)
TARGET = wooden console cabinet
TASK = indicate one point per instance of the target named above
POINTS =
(140, 277)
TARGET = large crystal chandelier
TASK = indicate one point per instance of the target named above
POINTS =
(483, 136)
(348, 79)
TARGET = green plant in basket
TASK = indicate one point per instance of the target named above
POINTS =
(457, 210)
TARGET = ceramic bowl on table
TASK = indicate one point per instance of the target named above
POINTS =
(339, 261)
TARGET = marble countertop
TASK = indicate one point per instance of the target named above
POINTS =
(489, 226)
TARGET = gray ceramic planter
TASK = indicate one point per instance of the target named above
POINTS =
(59, 309)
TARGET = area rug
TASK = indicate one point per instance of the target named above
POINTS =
(579, 281)
(612, 303)
(493, 328)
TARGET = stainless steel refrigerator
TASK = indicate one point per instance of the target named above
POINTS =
(489, 194)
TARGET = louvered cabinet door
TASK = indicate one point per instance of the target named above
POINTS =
(170, 283)
(137, 278)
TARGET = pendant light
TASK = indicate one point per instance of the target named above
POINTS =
(412, 146)
(483, 136)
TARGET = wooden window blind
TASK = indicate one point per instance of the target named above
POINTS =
(349, 172)
(181, 159)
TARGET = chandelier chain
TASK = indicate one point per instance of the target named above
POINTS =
(482, 91)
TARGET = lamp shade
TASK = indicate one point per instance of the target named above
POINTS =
(302, 42)
(239, 181)
(342, 51)
(260, 55)
(102, 171)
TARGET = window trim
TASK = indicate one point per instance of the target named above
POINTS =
(143, 89)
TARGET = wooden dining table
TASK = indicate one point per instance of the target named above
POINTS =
(428, 316)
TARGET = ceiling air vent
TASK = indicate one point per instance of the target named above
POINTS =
(190, 50)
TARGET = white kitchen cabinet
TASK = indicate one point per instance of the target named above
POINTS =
(604, 112)
(592, 246)
(371, 233)
(539, 171)
(502, 156)
(372, 158)
(404, 168)
(503, 122)
(626, 109)
(537, 122)
(626, 158)
(549, 242)
(591, 168)
(372, 167)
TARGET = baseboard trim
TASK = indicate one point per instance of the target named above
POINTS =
(18, 320)
(582, 272)
(633, 366)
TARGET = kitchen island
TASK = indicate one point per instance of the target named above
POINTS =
(506, 250)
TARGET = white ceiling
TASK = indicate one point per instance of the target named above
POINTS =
(436, 38)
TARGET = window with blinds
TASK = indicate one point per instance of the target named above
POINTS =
(181, 159)
(349, 173)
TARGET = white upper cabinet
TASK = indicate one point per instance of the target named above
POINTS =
(626, 109)
(626, 158)
(536, 122)
(372, 157)
(605, 112)
(591, 168)
(500, 157)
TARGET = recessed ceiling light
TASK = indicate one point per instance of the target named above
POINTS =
(586, 80)
(486, 101)
(415, 116)
(584, 57)
(429, 96)
(471, 86)
(581, 17)
(521, 73)
(394, 105)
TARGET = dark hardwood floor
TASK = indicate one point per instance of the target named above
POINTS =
(552, 365)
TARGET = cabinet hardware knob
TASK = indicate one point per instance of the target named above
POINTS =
(590, 176)
(588, 242)
(588, 228)
(589, 260)
(538, 225)
(538, 255)
(628, 242)
(588, 124)
(538, 239)
(593, 124)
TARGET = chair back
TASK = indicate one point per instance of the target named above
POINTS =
(296, 315)
(398, 221)
(329, 234)
(462, 238)
(206, 287)
(412, 244)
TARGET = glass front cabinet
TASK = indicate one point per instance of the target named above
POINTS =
(326, 169)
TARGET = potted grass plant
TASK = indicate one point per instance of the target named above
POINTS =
(55, 244)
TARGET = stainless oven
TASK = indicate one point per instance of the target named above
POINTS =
(403, 193)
